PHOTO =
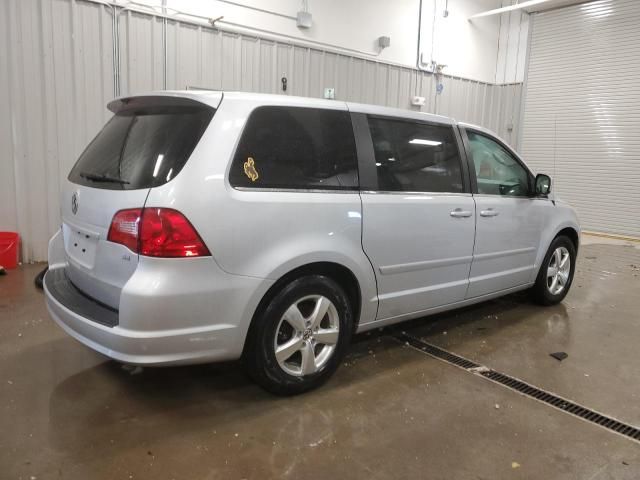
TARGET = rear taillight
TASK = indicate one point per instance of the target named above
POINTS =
(157, 232)
(124, 228)
(167, 233)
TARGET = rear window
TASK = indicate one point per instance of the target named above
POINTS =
(296, 148)
(415, 157)
(144, 145)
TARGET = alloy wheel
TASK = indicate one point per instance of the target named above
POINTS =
(558, 270)
(307, 335)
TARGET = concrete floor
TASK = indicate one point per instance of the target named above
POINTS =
(389, 412)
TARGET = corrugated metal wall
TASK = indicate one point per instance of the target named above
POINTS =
(57, 74)
(586, 133)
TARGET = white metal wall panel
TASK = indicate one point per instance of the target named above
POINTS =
(208, 58)
(582, 111)
(57, 73)
(141, 53)
(254, 64)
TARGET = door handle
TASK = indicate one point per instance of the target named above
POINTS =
(459, 213)
(489, 212)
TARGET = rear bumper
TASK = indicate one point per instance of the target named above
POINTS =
(171, 312)
(61, 288)
(172, 347)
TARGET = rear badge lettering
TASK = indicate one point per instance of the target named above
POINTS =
(250, 169)
(126, 258)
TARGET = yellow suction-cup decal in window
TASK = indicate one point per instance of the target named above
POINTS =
(250, 169)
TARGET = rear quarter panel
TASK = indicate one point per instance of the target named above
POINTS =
(265, 233)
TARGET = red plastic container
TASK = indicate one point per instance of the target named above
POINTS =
(9, 242)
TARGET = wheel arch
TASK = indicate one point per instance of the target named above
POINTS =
(568, 229)
(539, 290)
(339, 273)
(571, 233)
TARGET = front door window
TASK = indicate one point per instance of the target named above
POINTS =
(497, 171)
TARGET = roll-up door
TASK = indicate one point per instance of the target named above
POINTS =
(582, 110)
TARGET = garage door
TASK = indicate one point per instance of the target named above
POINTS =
(582, 110)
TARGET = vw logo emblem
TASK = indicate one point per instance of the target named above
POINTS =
(74, 203)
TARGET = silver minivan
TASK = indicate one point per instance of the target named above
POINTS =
(206, 226)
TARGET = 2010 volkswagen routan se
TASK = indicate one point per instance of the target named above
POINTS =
(207, 226)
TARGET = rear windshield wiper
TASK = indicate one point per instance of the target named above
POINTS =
(103, 178)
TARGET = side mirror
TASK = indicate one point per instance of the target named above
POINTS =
(543, 184)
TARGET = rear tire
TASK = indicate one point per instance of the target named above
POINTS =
(556, 272)
(299, 339)
(40, 277)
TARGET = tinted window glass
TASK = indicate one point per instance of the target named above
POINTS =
(497, 171)
(141, 148)
(415, 157)
(290, 147)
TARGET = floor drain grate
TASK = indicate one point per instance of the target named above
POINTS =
(437, 352)
(524, 388)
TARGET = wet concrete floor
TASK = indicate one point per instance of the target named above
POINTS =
(389, 412)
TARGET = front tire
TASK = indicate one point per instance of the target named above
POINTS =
(299, 339)
(556, 272)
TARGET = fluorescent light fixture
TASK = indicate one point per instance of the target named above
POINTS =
(156, 169)
(517, 6)
(422, 141)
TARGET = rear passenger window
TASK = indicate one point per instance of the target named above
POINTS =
(300, 148)
(415, 157)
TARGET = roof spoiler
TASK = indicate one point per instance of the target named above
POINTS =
(159, 101)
